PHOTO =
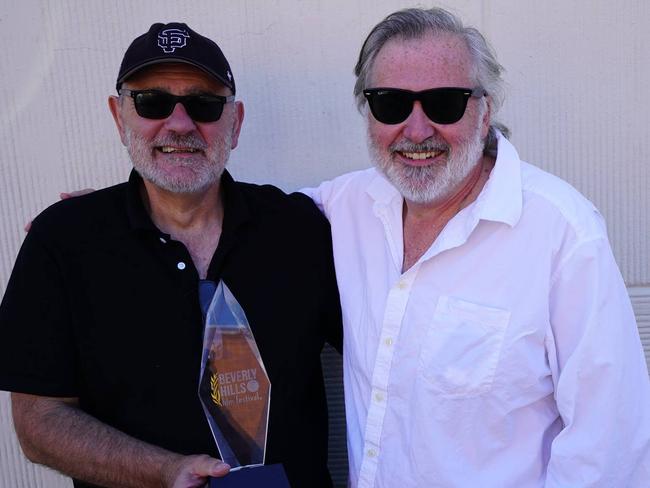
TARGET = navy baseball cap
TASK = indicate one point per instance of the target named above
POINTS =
(175, 43)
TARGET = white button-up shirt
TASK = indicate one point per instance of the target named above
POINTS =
(507, 356)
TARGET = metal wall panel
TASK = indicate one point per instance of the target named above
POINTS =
(641, 303)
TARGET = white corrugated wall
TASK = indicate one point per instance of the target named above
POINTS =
(577, 103)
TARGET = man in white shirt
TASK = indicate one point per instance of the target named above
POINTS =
(489, 338)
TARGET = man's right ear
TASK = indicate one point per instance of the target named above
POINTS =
(115, 107)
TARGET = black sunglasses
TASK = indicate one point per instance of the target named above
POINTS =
(155, 104)
(441, 105)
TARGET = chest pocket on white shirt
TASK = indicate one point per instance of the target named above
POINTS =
(462, 347)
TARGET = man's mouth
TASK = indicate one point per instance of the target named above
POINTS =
(171, 149)
(420, 155)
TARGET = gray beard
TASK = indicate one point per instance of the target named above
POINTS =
(433, 183)
(202, 171)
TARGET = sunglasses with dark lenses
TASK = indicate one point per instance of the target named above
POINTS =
(441, 105)
(155, 104)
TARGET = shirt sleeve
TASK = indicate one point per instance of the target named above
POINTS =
(333, 320)
(315, 194)
(37, 354)
(320, 195)
(601, 379)
(332, 309)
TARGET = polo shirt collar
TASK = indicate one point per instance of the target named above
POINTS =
(236, 208)
(137, 214)
(500, 199)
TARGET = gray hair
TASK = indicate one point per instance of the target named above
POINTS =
(415, 23)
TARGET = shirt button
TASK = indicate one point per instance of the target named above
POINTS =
(379, 397)
(402, 285)
(388, 341)
(163, 240)
(181, 265)
(372, 453)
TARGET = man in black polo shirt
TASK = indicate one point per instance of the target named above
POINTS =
(101, 328)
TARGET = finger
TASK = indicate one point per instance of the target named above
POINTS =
(209, 466)
(76, 193)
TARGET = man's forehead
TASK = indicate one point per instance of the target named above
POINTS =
(444, 55)
(164, 75)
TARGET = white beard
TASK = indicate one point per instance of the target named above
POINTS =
(426, 184)
(199, 172)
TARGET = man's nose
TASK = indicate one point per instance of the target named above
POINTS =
(179, 120)
(418, 127)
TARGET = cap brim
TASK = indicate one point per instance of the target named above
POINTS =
(174, 59)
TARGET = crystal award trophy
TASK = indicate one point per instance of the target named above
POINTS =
(235, 392)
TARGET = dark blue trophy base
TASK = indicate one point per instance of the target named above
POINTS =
(268, 476)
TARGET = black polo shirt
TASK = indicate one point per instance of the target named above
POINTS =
(103, 306)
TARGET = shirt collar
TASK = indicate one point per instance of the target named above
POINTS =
(236, 209)
(500, 199)
(382, 191)
(137, 214)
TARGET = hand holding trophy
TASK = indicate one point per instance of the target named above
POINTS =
(235, 392)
